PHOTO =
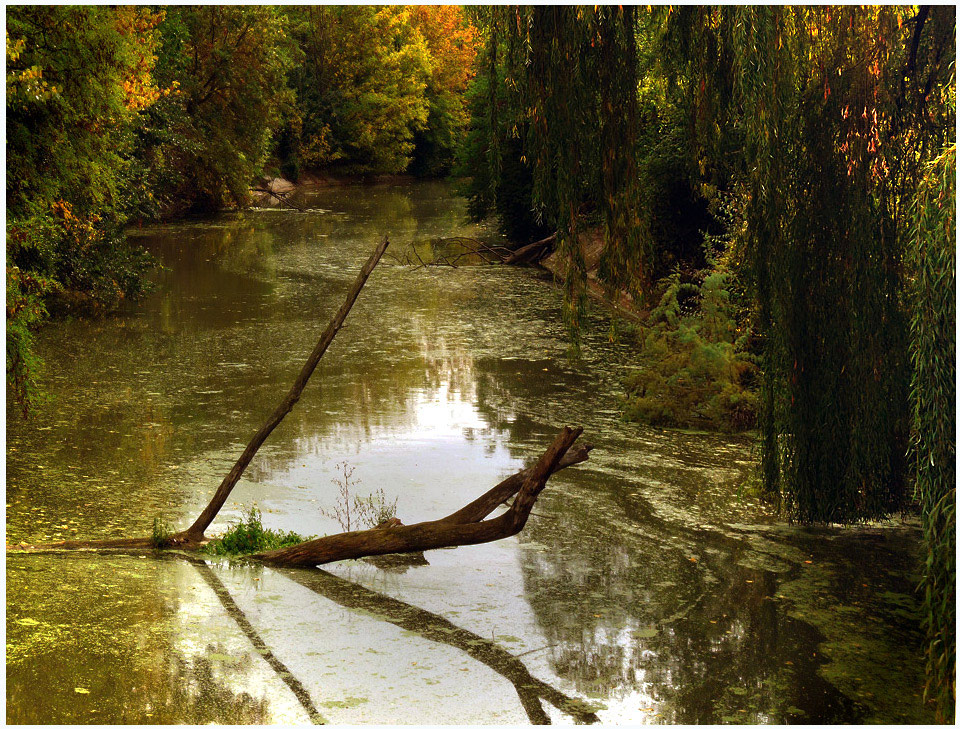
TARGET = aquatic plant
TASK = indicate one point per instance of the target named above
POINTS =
(374, 509)
(352, 511)
(161, 533)
(250, 536)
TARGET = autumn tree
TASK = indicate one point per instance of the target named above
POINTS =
(452, 42)
(78, 82)
(360, 88)
(225, 67)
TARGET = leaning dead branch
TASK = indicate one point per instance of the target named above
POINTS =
(462, 527)
(194, 535)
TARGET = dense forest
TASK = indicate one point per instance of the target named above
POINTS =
(771, 189)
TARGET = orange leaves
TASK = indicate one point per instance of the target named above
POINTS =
(137, 26)
(453, 42)
(81, 231)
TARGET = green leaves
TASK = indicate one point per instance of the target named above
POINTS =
(250, 536)
(375, 81)
(933, 392)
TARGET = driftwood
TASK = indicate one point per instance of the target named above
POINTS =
(525, 255)
(463, 527)
(532, 252)
(280, 196)
(487, 252)
(458, 529)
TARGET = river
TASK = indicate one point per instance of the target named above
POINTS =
(649, 586)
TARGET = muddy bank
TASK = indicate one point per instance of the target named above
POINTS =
(623, 304)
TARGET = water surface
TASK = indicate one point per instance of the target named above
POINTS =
(647, 588)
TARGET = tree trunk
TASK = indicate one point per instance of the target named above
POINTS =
(532, 252)
(459, 529)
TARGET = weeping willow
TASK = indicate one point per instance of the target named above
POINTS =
(839, 112)
(582, 98)
(829, 138)
(562, 94)
(820, 122)
(933, 351)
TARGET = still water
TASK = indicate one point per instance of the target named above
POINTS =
(649, 587)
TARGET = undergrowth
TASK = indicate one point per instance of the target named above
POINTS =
(695, 367)
(250, 536)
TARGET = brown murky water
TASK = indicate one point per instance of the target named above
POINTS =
(647, 589)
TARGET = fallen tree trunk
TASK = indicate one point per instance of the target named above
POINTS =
(446, 532)
(532, 252)
(281, 198)
(459, 529)
(463, 527)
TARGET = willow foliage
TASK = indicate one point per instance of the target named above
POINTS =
(933, 351)
(561, 86)
(831, 110)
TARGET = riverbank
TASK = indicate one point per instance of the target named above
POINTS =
(623, 303)
(271, 190)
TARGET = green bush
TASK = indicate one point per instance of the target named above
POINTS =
(250, 536)
(694, 367)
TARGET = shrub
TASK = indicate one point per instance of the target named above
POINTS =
(249, 537)
(694, 367)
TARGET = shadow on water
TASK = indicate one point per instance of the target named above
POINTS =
(530, 690)
(234, 611)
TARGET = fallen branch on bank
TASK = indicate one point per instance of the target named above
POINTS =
(463, 527)
(450, 251)
(532, 252)
(280, 196)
